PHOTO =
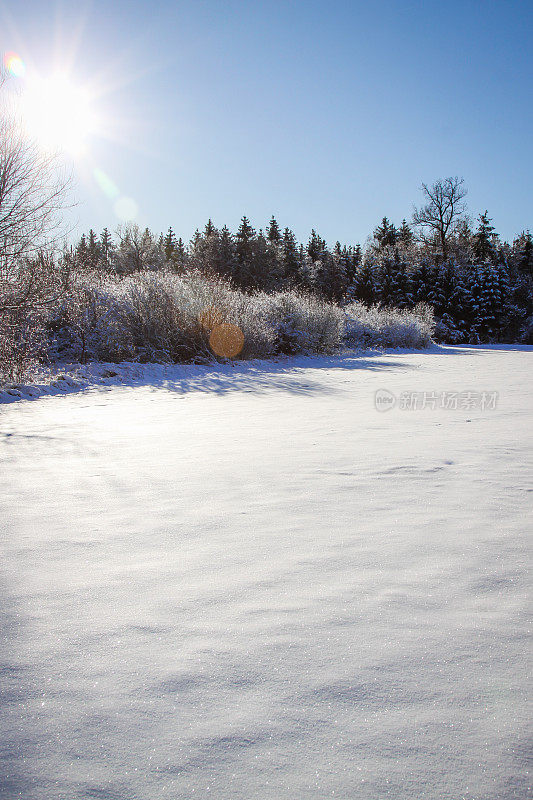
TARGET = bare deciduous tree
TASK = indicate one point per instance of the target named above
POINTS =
(443, 210)
(33, 190)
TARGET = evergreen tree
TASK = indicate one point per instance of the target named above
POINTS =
(524, 248)
(475, 311)
(307, 269)
(462, 242)
(244, 250)
(405, 236)
(264, 266)
(490, 304)
(169, 246)
(483, 239)
(347, 258)
(93, 250)
(315, 246)
(386, 234)
(365, 287)
(107, 249)
(456, 318)
(180, 256)
(290, 259)
(227, 254)
(82, 253)
(387, 282)
(273, 232)
(204, 252)
(402, 296)
(210, 229)
(422, 282)
(331, 275)
(355, 265)
(437, 295)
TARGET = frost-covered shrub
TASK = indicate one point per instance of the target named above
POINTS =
(161, 316)
(303, 323)
(152, 317)
(29, 288)
(389, 327)
(22, 343)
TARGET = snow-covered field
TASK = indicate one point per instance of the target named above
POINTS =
(246, 582)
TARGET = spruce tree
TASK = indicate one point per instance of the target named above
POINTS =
(422, 282)
(263, 265)
(315, 246)
(106, 249)
(483, 239)
(460, 305)
(365, 287)
(210, 229)
(475, 310)
(244, 250)
(273, 231)
(385, 234)
(405, 235)
(402, 294)
(180, 256)
(93, 250)
(290, 259)
(169, 245)
(525, 254)
(82, 253)
(489, 304)
(436, 295)
(331, 275)
(307, 269)
(387, 281)
(227, 254)
(463, 244)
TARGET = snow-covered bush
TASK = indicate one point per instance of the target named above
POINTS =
(153, 317)
(389, 327)
(22, 341)
(28, 289)
(161, 316)
(303, 323)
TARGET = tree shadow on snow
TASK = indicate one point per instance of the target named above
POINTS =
(293, 375)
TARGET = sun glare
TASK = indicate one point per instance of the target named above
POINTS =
(58, 114)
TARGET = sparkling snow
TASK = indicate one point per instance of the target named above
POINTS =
(244, 581)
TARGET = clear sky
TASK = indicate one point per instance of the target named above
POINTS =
(327, 114)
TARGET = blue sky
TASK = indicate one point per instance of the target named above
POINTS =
(326, 114)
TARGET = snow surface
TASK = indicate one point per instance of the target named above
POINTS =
(243, 581)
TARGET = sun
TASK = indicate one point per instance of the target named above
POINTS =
(58, 114)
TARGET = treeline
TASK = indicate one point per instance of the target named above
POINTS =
(480, 287)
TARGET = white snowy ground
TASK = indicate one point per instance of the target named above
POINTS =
(247, 583)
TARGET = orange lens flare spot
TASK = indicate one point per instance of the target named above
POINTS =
(226, 340)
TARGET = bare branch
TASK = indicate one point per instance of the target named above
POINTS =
(443, 211)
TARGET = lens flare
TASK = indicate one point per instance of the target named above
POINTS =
(14, 65)
(108, 186)
(58, 114)
(226, 340)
